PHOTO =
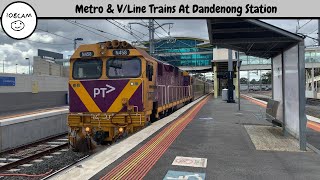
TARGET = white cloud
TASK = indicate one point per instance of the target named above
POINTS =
(41, 37)
(15, 52)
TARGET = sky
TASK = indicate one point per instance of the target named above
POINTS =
(58, 35)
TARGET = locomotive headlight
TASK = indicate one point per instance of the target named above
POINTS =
(87, 129)
(121, 130)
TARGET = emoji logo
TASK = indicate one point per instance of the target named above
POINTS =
(17, 25)
(19, 20)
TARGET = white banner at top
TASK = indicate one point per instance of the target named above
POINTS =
(170, 8)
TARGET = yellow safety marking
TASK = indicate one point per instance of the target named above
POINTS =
(144, 153)
(151, 147)
(137, 159)
(84, 96)
(127, 92)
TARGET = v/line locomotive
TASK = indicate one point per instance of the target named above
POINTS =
(116, 89)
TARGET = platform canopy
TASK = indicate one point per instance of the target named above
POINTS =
(286, 51)
(251, 36)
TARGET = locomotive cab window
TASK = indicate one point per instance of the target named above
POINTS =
(87, 69)
(149, 71)
(124, 67)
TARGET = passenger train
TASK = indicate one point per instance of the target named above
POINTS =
(116, 89)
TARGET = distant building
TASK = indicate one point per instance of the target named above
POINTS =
(188, 53)
(50, 63)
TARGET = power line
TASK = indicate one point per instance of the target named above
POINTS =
(160, 33)
(304, 24)
(308, 36)
(313, 31)
(131, 33)
(45, 42)
(300, 27)
(129, 28)
(162, 27)
(88, 29)
(144, 22)
(99, 30)
(55, 34)
(157, 35)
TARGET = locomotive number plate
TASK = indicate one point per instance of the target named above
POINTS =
(121, 52)
(86, 54)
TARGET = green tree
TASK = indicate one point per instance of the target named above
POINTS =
(243, 80)
(266, 78)
(253, 81)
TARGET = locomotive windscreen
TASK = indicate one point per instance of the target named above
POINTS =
(87, 69)
(124, 67)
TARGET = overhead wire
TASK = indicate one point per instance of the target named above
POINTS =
(308, 36)
(316, 40)
(71, 22)
(60, 44)
(300, 27)
(313, 31)
(144, 22)
(129, 28)
(162, 27)
(55, 34)
(125, 30)
(99, 30)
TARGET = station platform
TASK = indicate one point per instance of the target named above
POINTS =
(210, 140)
(22, 113)
(25, 127)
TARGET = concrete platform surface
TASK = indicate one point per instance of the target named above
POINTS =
(271, 138)
(313, 125)
(35, 112)
(32, 126)
(209, 141)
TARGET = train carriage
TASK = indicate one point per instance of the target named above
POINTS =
(116, 89)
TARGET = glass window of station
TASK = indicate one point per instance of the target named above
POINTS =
(247, 60)
(184, 51)
(312, 56)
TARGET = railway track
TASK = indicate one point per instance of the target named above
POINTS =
(26, 155)
(312, 101)
(64, 168)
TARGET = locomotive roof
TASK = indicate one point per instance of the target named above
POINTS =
(148, 56)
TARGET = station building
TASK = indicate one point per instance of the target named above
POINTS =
(254, 67)
(188, 53)
(196, 55)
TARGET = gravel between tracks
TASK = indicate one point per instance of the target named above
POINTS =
(56, 162)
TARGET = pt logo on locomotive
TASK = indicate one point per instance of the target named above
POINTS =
(103, 91)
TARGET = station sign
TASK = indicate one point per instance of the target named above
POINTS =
(86, 54)
(7, 81)
(121, 52)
